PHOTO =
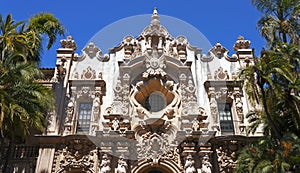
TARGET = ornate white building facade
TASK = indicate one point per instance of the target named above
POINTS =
(155, 104)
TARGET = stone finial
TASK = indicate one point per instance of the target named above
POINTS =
(241, 43)
(155, 17)
(68, 43)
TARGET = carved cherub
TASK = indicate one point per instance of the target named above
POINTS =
(122, 165)
(189, 165)
(206, 165)
(105, 165)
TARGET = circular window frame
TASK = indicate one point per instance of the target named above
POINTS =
(158, 106)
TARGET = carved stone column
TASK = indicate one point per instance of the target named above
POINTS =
(214, 109)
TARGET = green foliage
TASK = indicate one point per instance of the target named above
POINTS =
(280, 20)
(273, 86)
(23, 101)
(273, 82)
(269, 157)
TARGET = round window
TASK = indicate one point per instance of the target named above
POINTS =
(155, 102)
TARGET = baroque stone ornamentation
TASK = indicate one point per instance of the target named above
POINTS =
(122, 165)
(77, 154)
(51, 121)
(89, 73)
(92, 51)
(158, 101)
(105, 164)
(155, 147)
(241, 43)
(206, 165)
(189, 166)
(218, 51)
(68, 43)
(70, 110)
(226, 160)
(155, 66)
(221, 75)
(85, 92)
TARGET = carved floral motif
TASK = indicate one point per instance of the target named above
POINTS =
(221, 74)
(89, 73)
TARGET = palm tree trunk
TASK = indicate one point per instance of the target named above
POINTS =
(264, 100)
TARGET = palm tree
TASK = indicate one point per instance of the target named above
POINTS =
(23, 101)
(21, 45)
(43, 24)
(273, 83)
(280, 20)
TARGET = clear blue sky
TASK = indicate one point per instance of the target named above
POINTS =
(219, 20)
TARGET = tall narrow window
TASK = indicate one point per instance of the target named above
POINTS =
(226, 122)
(84, 117)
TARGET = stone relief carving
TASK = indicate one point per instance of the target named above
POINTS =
(226, 160)
(155, 28)
(137, 50)
(122, 165)
(89, 73)
(100, 76)
(117, 108)
(51, 121)
(61, 70)
(76, 154)
(70, 111)
(85, 92)
(195, 124)
(115, 124)
(68, 43)
(187, 90)
(189, 166)
(237, 95)
(128, 44)
(118, 91)
(155, 147)
(96, 109)
(105, 164)
(76, 75)
(155, 66)
(241, 43)
(221, 74)
(218, 51)
(181, 43)
(92, 51)
(206, 165)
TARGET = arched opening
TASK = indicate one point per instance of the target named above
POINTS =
(164, 166)
(156, 169)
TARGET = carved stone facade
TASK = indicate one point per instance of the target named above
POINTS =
(154, 104)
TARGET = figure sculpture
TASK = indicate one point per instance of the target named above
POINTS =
(189, 165)
(105, 164)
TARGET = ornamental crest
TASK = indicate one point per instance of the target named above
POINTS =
(154, 66)
(156, 147)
